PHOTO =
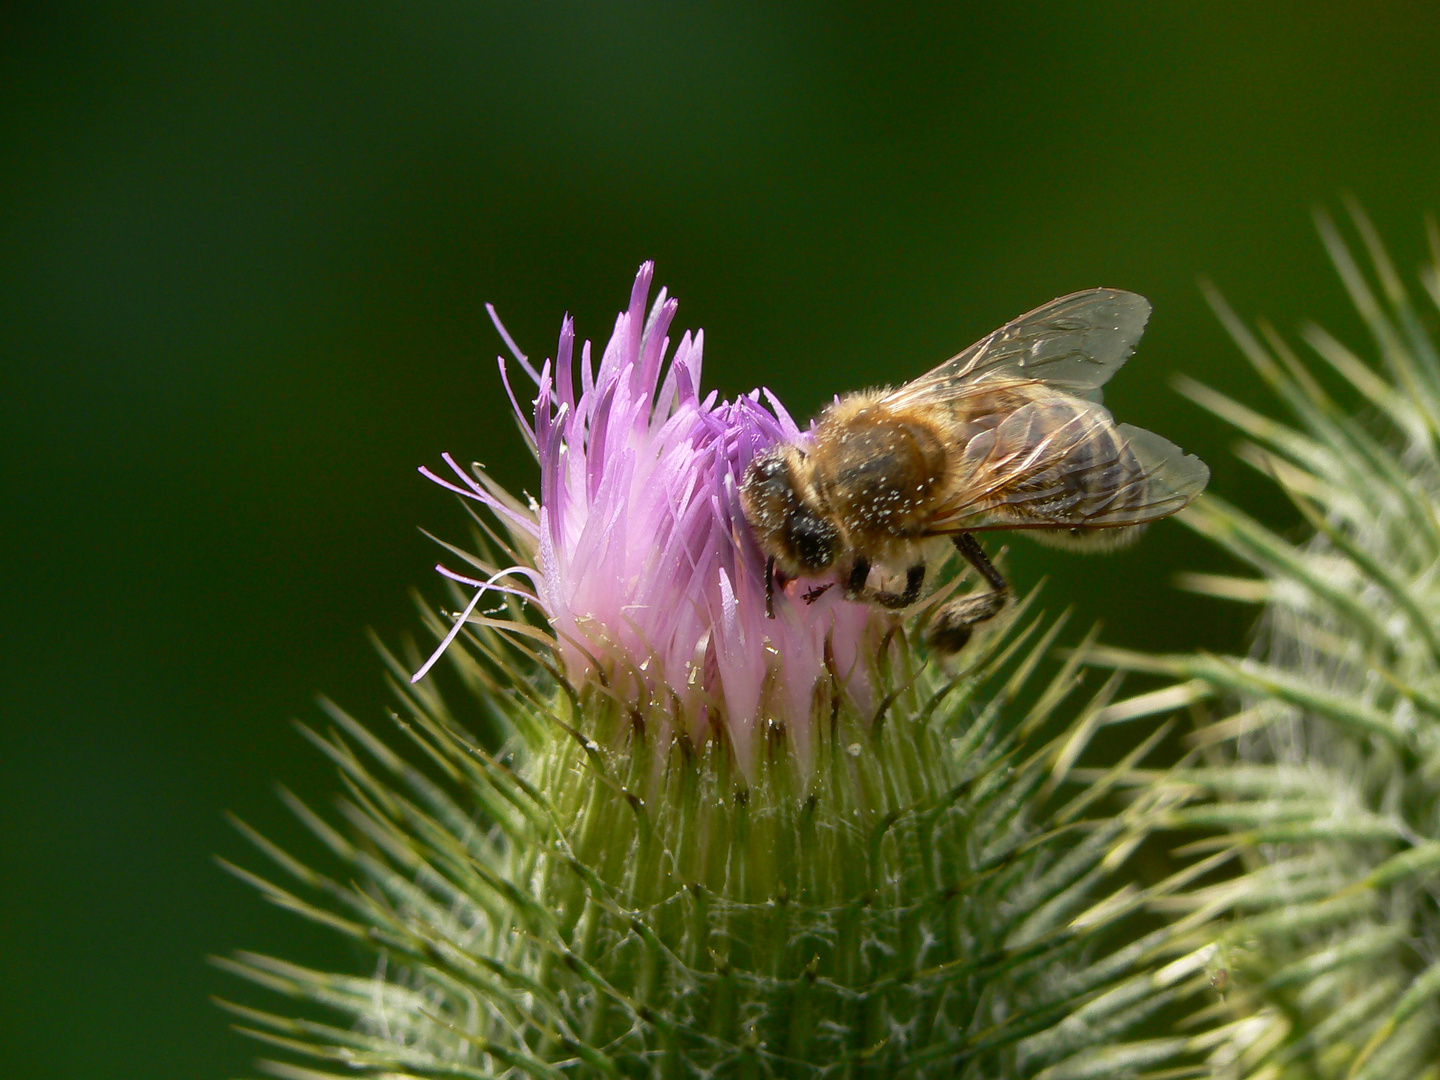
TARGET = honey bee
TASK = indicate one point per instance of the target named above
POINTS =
(1009, 434)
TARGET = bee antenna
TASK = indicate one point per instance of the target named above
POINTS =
(770, 587)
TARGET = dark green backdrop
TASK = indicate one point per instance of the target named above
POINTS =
(245, 252)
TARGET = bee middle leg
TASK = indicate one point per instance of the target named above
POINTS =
(855, 589)
(914, 581)
(951, 626)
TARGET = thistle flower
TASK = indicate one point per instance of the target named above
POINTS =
(642, 563)
(690, 840)
(1325, 779)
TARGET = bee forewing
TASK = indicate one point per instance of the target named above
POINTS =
(1065, 464)
(1074, 343)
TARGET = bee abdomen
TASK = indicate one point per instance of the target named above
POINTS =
(1060, 464)
(1097, 475)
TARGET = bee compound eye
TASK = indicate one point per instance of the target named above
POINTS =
(768, 485)
(812, 539)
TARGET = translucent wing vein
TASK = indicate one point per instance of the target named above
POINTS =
(1074, 343)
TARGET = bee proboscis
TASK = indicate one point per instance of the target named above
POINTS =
(1009, 434)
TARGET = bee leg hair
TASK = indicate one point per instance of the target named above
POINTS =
(770, 587)
(951, 626)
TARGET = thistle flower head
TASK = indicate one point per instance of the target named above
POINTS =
(639, 556)
(894, 884)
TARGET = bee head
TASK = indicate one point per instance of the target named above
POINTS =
(780, 506)
(812, 541)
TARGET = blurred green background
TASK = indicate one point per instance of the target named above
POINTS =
(245, 254)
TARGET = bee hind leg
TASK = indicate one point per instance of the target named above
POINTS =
(975, 555)
(951, 626)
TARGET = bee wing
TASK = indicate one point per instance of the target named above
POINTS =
(1074, 343)
(1065, 464)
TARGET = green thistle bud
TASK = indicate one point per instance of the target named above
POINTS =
(1325, 780)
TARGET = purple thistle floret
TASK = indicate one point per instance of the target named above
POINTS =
(640, 557)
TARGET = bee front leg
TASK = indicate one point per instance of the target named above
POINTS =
(951, 626)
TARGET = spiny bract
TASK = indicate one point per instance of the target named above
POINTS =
(1325, 780)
